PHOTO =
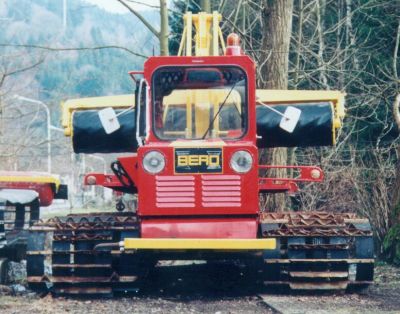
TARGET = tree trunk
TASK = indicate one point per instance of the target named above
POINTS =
(164, 29)
(321, 42)
(395, 197)
(298, 45)
(350, 36)
(163, 34)
(277, 28)
(205, 6)
(396, 115)
(277, 21)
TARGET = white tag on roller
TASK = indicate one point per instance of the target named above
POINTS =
(290, 119)
(109, 120)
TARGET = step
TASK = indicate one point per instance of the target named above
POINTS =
(67, 252)
(81, 265)
(320, 260)
(80, 280)
(318, 274)
(339, 285)
(68, 279)
(83, 290)
(302, 246)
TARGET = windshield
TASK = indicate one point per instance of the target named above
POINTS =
(199, 102)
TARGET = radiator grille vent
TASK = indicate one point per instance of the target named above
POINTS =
(221, 191)
(175, 191)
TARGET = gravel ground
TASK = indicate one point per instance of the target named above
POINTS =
(218, 289)
(382, 297)
(200, 288)
(130, 305)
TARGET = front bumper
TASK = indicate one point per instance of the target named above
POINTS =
(198, 244)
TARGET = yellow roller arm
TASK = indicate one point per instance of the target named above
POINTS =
(271, 97)
(92, 103)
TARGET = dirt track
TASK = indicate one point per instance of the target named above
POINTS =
(217, 289)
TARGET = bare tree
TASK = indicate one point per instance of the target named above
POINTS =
(205, 5)
(277, 22)
(163, 33)
(395, 199)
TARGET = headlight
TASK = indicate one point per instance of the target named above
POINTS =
(153, 162)
(241, 161)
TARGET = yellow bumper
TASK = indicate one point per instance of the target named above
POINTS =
(199, 244)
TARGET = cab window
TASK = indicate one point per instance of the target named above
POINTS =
(199, 102)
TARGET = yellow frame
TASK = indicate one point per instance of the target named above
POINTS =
(35, 178)
(336, 98)
(92, 103)
(272, 96)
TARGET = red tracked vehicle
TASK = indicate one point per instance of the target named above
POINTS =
(195, 127)
(21, 196)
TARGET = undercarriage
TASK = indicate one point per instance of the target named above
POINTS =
(15, 220)
(318, 250)
(82, 254)
(63, 255)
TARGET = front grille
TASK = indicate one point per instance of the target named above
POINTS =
(221, 191)
(175, 191)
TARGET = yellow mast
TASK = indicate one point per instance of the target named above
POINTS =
(208, 34)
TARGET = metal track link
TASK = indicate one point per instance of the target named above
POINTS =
(15, 220)
(318, 250)
(62, 257)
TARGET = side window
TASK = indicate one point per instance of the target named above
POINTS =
(141, 109)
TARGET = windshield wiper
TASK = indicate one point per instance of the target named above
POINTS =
(219, 110)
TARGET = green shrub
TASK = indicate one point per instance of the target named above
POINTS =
(391, 244)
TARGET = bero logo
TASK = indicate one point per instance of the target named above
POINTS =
(198, 160)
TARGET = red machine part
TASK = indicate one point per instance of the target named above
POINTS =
(266, 184)
(194, 202)
(225, 193)
(106, 180)
(42, 183)
(281, 185)
(111, 181)
(200, 228)
(45, 190)
(133, 73)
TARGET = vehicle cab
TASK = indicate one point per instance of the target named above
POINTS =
(196, 131)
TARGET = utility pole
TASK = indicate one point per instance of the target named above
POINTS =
(64, 15)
